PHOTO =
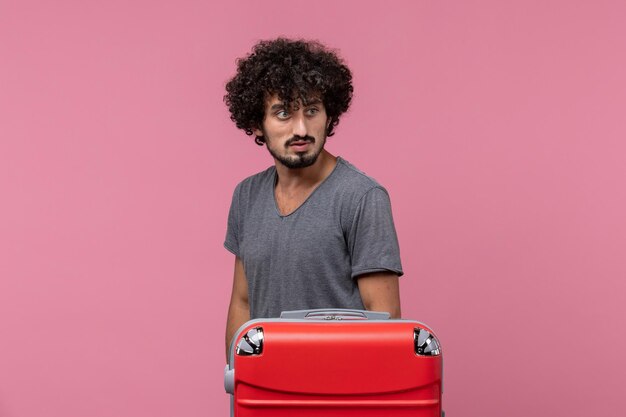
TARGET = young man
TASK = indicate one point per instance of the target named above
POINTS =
(311, 231)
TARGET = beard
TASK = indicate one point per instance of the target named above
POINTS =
(300, 159)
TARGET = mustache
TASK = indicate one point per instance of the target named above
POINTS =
(300, 139)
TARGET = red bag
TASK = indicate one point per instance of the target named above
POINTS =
(334, 363)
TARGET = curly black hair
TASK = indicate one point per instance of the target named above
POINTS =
(294, 70)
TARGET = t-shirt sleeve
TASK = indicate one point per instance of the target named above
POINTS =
(372, 239)
(232, 231)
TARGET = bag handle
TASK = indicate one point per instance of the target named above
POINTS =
(335, 314)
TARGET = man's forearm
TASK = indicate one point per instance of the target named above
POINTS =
(393, 309)
(238, 314)
(380, 291)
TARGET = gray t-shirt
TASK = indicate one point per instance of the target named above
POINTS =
(310, 257)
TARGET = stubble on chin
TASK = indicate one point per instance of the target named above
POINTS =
(299, 160)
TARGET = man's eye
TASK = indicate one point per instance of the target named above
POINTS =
(312, 111)
(282, 114)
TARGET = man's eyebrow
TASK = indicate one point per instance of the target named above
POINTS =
(313, 101)
(310, 102)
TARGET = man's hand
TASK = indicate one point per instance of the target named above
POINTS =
(380, 292)
(239, 309)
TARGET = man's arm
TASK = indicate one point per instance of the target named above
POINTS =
(380, 291)
(239, 309)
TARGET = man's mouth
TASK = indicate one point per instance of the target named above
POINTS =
(300, 144)
(300, 141)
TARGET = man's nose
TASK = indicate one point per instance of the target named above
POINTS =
(299, 126)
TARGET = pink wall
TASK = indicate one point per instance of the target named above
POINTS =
(498, 128)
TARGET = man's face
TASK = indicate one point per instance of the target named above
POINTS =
(294, 136)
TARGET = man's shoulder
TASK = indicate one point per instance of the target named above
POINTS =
(355, 191)
(352, 178)
(256, 181)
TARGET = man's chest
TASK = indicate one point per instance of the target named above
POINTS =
(288, 202)
(311, 231)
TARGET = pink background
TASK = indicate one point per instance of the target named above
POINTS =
(498, 128)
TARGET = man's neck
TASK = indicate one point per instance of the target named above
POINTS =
(289, 178)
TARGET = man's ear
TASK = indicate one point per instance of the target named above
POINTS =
(257, 132)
